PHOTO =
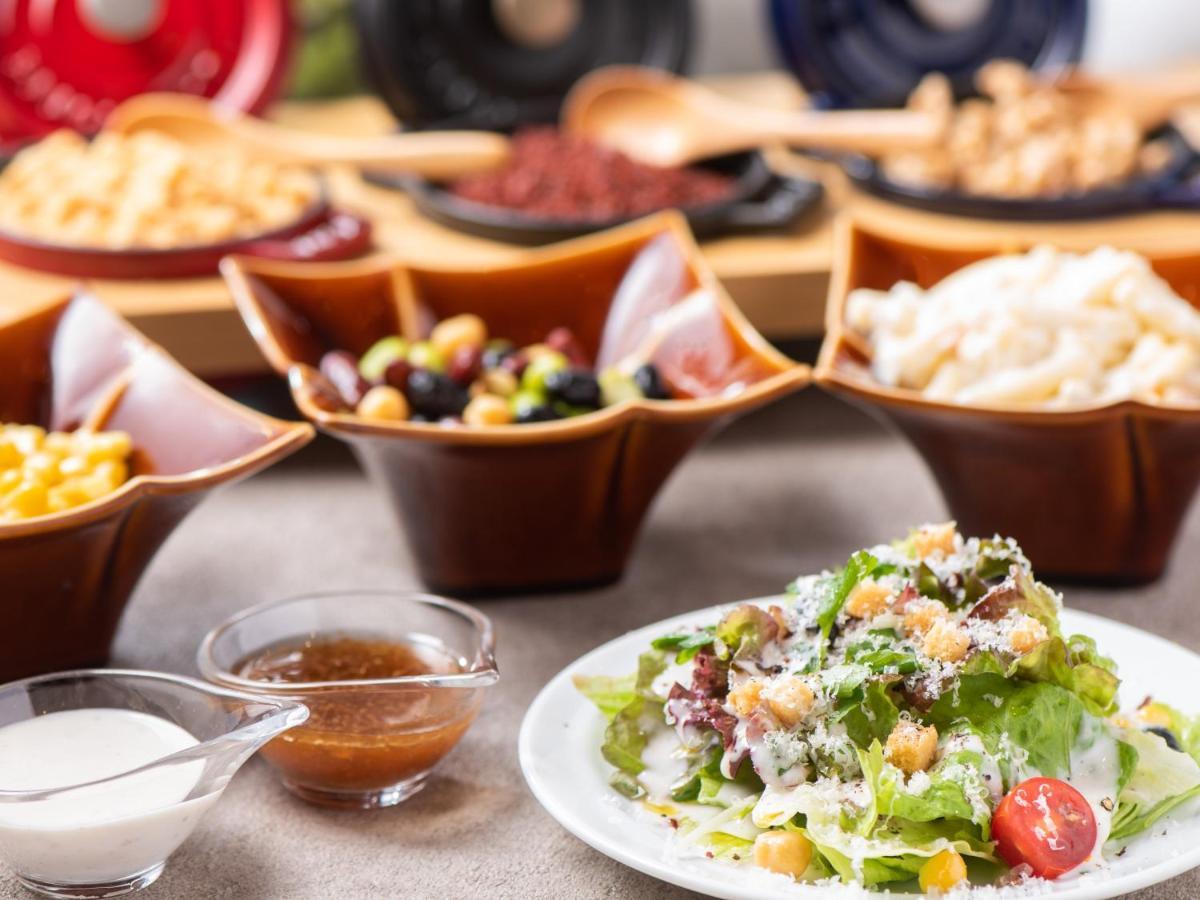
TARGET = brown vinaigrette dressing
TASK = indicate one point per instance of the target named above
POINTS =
(363, 738)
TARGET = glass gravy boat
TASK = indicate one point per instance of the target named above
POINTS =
(112, 835)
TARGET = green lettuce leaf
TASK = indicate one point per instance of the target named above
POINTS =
(837, 588)
(745, 630)
(686, 643)
(1163, 780)
(896, 850)
(703, 782)
(869, 717)
(629, 729)
(610, 695)
(1076, 665)
(1041, 718)
(1185, 728)
(882, 653)
(956, 789)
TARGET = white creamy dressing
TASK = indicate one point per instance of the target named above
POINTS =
(664, 762)
(99, 832)
(1095, 769)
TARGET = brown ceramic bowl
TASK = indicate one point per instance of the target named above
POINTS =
(520, 507)
(1092, 494)
(68, 575)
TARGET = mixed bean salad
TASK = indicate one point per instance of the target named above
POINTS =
(462, 375)
(916, 718)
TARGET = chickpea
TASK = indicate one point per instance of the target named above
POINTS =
(501, 382)
(746, 697)
(487, 409)
(943, 872)
(868, 599)
(790, 699)
(921, 615)
(450, 334)
(946, 641)
(1026, 634)
(931, 539)
(783, 852)
(911, 747)
(383, 403)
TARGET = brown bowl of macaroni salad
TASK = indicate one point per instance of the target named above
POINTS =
(1054, 395)
(147, 205)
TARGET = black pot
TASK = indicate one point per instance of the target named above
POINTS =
(761, 200)
(1172, 187)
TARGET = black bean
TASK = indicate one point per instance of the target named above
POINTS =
(578, 387)
(435, 395)
(543, 413)
(650, 383)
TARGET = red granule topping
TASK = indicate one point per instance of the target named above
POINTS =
(554, 175)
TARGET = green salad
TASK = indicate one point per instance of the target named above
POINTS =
(916, 718)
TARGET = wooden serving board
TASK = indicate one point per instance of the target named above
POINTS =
(779, 280)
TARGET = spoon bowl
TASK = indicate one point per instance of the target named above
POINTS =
(197, 122)
(665, 120)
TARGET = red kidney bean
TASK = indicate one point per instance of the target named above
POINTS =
(561, 176)
(396, 374)
(465, 364)
(564, 341)
(515, 362)
(341, 368)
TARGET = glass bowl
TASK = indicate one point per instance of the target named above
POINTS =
(368, 742)
(110, 836)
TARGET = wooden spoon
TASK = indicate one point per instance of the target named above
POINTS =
(432, 154)
(668, 121)
(1150, 98)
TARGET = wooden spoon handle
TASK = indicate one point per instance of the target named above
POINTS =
(869, 131)
(432, 154)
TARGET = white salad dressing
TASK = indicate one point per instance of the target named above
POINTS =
(100, 832)
(1095, 771)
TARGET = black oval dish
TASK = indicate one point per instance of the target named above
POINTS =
(761, 200)
(1170, 188)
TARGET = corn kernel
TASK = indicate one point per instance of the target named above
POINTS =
(943, 872)
(28, 500)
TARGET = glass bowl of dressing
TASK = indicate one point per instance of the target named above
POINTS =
(392, 681)
(105, 772)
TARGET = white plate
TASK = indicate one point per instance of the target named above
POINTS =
(560, 757)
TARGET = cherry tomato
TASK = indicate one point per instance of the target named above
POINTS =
(1046, 824)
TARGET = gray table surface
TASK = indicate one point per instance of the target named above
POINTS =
(792, 489)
